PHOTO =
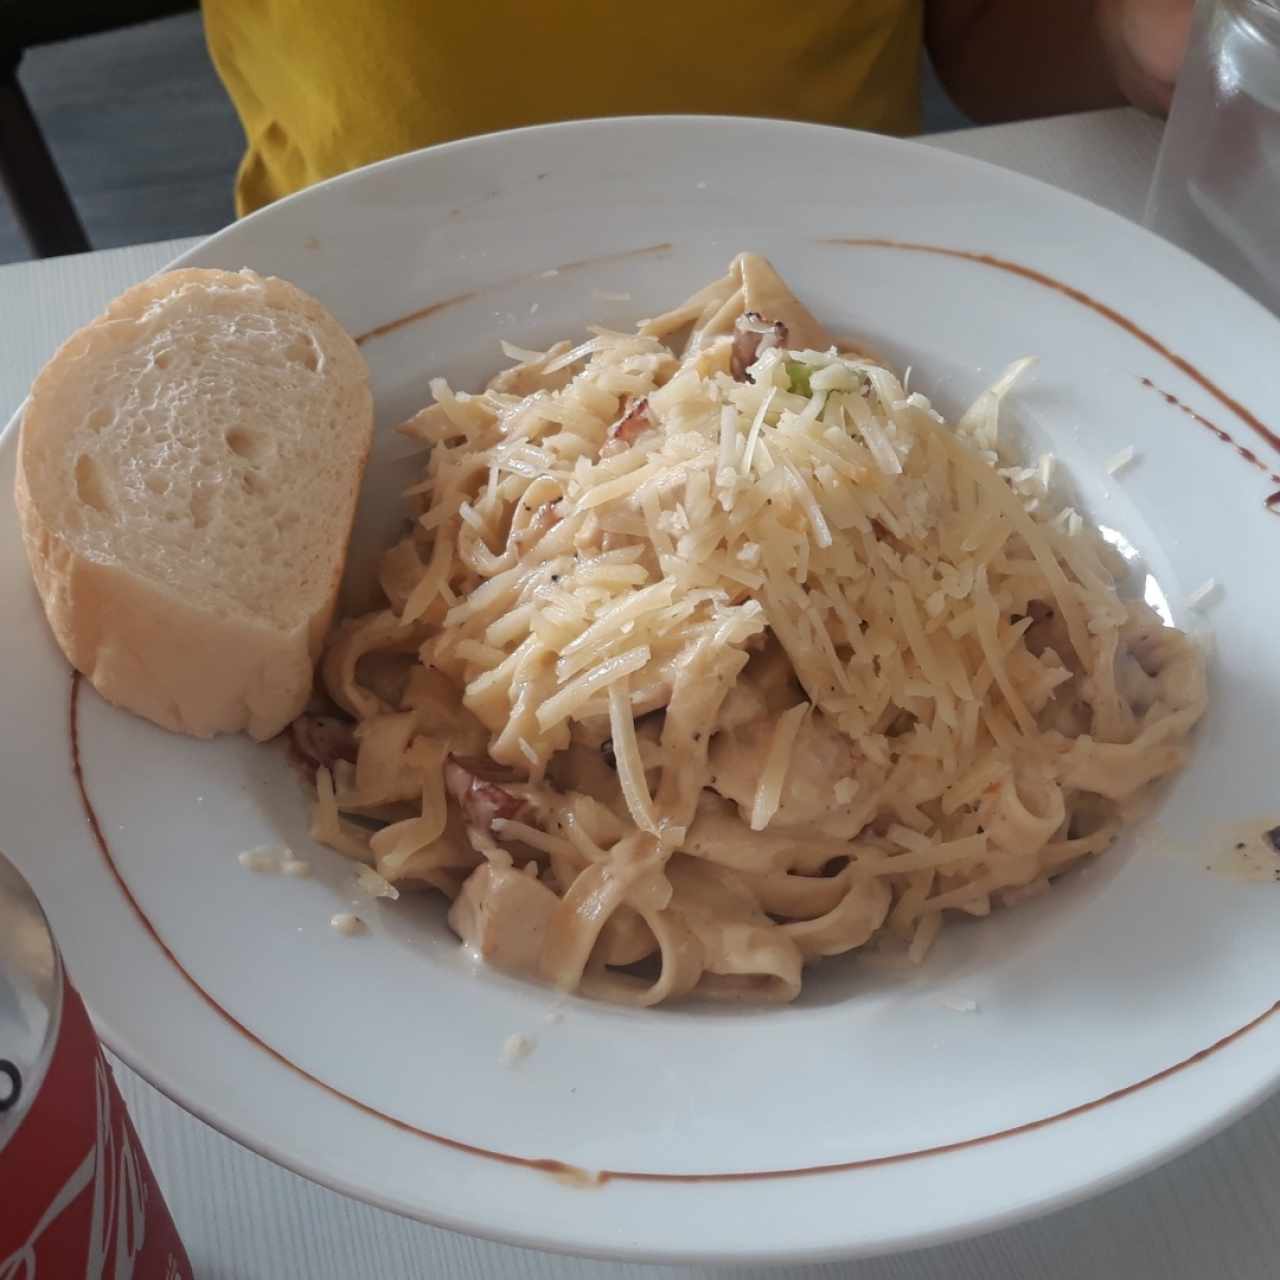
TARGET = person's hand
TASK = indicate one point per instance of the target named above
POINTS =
(1145, 41)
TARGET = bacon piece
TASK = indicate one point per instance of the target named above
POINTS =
(635, 421)
(480, 799)
(753, 335)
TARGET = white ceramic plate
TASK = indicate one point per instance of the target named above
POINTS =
(1117, 1020)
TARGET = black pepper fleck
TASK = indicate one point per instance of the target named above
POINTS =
(1240, 844)
(1272, 837)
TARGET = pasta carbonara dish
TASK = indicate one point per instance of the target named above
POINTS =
(713, 651)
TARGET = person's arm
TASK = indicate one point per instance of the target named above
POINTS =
(1005, 59)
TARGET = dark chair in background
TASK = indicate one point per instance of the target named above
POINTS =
(30, 176)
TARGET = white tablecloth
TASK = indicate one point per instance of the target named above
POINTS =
(1212, 1213)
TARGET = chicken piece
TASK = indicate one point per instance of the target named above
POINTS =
(504, 915)
(822, 756)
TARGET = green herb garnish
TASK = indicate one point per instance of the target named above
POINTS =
(799, 375)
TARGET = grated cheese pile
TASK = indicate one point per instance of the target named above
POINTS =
(752, 638)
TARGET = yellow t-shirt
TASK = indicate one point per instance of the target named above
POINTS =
(325, 87)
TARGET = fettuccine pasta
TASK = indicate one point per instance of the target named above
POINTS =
(712, 652)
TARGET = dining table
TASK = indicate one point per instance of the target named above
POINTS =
(1214, 1211)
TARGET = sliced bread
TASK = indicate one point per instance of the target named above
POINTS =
(187, 477)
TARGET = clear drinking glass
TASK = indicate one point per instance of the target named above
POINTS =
(1216, 190)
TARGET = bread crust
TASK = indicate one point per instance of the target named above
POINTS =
(138, 641)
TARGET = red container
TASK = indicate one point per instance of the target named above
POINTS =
(77, 1196)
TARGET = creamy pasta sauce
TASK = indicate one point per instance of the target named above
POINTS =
(713, 652)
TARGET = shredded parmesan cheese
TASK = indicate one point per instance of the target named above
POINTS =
(266, 859)
(517, 1047)
(1118, 461)
(1203, 595)
(753, 433)
(777, 762)
(705, 657)
(368, 881)
(579, 690)
(522, 354)
(626, 752)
